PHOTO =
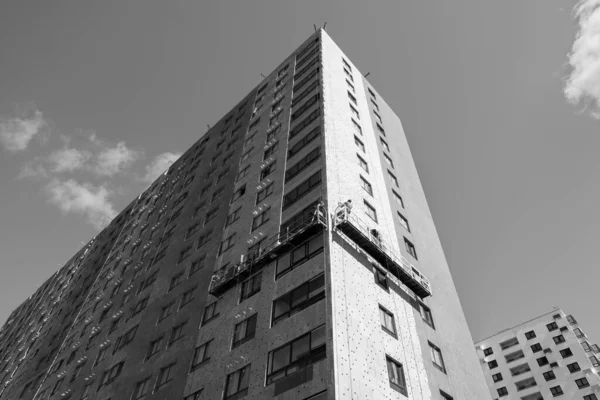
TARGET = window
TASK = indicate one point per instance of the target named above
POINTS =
(216, 195)
(264, 193)
(267, 171)
(559, 339)
(198, 209)
(520, 369)
(380, 129)
(549, 375)
(388, 160)
(370, 211)
(351, 97)
(594, 361)
(271, 150)
(552, 326)
(556, 391)
(497, 377)
(250, 286)
(502, 391)
(165, 375)
(542, 361)
(492, 364)
(436, 357)
(398, 198)
(200, 355)
(141, 388)
(359, 143)
(530, 335)
(187, 297)
(516, 355)
(302, 189)
(582, 383)
(176, 333)
(387, 321)
(239, 193)
(350, 85)
(87, 390)
(377, 116)
(384, 144)
(302, 164)
(565, 353)
(396, 375)
(125, 339)
(375, 105)
(196, 265)
(427, 316)
(366, 185)
(227, 243)
(183, 254)
(154, 347)
(210, 312)
(237, 383)
(243, 172)
(244, 331)
(573, 367)
(246, 155)
(410, 248)
(176, 280)
(299, 255)
(363, 163)
(234, 216)
(304, 123)
(488, 351)
(203, 239)
(525, 383)
(536, 347)
(299, 299)
(308, 138)
(403, 221)
(76, 372)
(578, 333)
(194, 396)
(111, 374)
(114, 325)
(381, 279)
(299, 353)
(590, 397)
(392, 178)
(354, 111)
(166, 311)
(261, 219)
(348, 74)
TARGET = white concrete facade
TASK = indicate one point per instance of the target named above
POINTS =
(543, 358)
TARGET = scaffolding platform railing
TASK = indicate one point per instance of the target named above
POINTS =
(370, 241)
(274, 246)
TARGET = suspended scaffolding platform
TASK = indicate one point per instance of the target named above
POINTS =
(310, 223)
(369, 240)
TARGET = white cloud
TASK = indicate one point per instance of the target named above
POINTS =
(111, 161)
(68, 159)
(160, 163)
(17, 132)
(583, 84)
(85, 199)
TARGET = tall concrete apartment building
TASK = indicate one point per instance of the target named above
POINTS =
(543, 358)
(288, 254)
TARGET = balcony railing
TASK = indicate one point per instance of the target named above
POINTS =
(369, 240)
(306, 226)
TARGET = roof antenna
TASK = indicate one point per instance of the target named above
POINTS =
(207, 127)
(264, 77)
(324, 25)
(315, 27)
(367, 74)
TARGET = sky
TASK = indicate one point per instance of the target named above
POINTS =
(499, 100)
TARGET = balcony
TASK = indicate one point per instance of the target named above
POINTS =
(275, 246)
(369, 240)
